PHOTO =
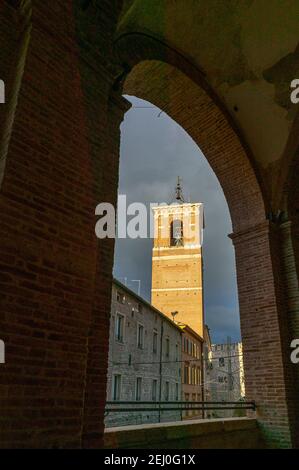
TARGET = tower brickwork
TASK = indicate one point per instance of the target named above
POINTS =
(177, 281)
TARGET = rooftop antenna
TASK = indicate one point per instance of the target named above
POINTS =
(178, 191)
(139, 284)
(125, 279)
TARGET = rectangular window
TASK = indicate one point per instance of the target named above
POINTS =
(194, 412)
(166, 396)
(176, 352)
(221, 362)
(119, 327)
(185, 374)
(138, 388)
(116, 386)
(120, 297)
(139, 308)
(198, 376)
(140, 336)
(187, 406)
(167, 349)
(177, 392)
(155, 342)
(154, 390)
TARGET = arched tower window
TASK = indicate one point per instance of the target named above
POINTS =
(176, 233)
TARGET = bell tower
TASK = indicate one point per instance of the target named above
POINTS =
(177, 261)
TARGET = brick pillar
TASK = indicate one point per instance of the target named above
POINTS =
(264, 328)
(98, 340)
(291, 288)
(55, 278)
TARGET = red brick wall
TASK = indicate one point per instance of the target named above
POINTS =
(55, 278)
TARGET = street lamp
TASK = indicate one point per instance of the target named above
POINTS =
(174, 314)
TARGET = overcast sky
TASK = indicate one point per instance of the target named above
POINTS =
(154, 151)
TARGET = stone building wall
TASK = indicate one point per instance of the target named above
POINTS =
(227, 383)
(131, 362)
(192, 370)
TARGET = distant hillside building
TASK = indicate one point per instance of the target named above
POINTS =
(144, 358)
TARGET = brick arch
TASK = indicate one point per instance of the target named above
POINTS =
(186, 82)
(17, 15)
(293, 209)
(167, 79)
(288, 187)
(291, 225)
(194, 109)
(289, 229)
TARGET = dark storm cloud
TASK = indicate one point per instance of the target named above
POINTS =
(154, 151)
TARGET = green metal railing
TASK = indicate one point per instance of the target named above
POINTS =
(137, 406)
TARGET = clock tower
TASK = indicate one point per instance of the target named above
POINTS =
(177, 261)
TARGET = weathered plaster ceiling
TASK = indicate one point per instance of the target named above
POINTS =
(248, 50)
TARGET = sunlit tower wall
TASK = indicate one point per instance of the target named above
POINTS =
(177, 271)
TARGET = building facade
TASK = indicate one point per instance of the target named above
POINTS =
(227, 375)
(192, 371)
(144, 358)
(177, 263)
(207, 367)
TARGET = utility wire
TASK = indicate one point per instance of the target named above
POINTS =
(171, 362)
